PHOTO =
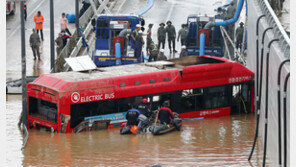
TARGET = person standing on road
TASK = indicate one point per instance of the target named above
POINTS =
(25, 10)
(39, 19)
(59, 43)
(138, 39)
(239, 35)
(35, 43)
(148, 39)
(64, 24)
(183, 34)
(161, 35)
(65, 37)
(170, 29)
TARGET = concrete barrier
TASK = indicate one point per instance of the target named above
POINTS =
(279, 52)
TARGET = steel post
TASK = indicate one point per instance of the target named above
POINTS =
(23, 54)
(77, 18)
(52, 55)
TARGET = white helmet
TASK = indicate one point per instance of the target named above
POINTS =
(140, 32)
(183, 47)
(138, 25)
(161, 50)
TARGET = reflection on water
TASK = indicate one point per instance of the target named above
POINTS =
(224, 141)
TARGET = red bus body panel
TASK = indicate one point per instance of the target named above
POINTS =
(62, 92)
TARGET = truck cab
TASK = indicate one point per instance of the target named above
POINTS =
(214, 41)
(108, 43)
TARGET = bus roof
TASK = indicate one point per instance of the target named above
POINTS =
(186, 66)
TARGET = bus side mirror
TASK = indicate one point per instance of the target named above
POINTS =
(93, 22)
(142, 22)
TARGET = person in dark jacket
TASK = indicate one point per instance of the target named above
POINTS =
(161, 35)
(183, 34)
(144, 108)
(165, 114)
(170, 29)
(132, 116)
(35, 43)
(239, 35)
(59, 43)
(139, 42)
(148, 38)
(65, 38)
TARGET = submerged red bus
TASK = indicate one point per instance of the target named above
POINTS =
(196, 87)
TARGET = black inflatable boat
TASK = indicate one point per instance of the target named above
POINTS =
(163, 129)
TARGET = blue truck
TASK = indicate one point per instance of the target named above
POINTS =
(110, 49)
(214, 40)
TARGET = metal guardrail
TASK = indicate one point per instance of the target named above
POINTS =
(86, 32)
(71, 44)
(26, 133)
(278, 30)
(73, 47)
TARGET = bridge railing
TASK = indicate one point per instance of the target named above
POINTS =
(278, 30)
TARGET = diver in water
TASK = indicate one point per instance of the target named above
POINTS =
(165, 114)
(132, 116)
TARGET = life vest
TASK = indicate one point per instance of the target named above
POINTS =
(39, 22)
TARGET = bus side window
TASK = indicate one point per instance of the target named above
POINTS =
(216, 97)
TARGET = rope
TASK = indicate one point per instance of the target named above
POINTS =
(243, 104)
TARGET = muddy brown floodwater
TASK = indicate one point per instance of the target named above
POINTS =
(223, 141)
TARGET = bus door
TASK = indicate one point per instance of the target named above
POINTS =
(242, 98)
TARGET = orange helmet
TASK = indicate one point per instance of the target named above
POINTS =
(145, 100)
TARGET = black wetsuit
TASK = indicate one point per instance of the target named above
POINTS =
(132, 117)
(144, 109)
(165, 115)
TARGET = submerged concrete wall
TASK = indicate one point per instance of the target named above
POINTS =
(279, 52)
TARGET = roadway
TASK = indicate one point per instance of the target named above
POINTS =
(163, 10)
(176, 11)
(13, 37)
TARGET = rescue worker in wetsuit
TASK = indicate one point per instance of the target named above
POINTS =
(165, 114)
(170, 29)
(183, 52)
(144, 108)
(161, 35)
(239, 35)
(148, 39)
(183, 34)
(132, 116)
(139, 42)
(153, 49)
